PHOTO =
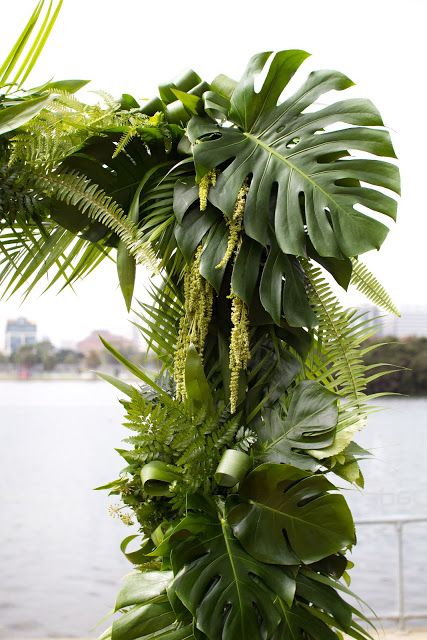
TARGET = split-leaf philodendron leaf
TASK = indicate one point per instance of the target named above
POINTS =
(283, 516)
(232, 593)
(310, 424)
(298, 156)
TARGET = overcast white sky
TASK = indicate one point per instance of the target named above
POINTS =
(131, 46)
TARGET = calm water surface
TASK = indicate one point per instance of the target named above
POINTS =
(60, 564)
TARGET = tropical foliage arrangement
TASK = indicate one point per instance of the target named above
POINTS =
(246, 204)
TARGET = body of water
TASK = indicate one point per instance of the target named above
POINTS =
(60, 563)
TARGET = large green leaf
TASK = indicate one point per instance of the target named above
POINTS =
(303, 156)
(283, 516)
(275, 447)
(18, 114)
(148, 612)
(310, 424)
(231, 594)
(272, 369)
(139, 586)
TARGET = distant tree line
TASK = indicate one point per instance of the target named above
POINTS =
(409, 357)
(406, 360)
(44, 356)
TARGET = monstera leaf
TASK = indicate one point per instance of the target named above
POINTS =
(230, 593)
(283, 516)
(298, 161)
(310, 424)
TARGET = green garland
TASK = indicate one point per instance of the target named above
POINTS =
(245, 205)
(263, 387)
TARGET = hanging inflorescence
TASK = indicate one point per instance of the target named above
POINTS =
(235, 227)
(239, 346)
(208, 181)
(194, 323)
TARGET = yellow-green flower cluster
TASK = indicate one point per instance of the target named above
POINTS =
(115, 512)
(235, 226)
(208, 181)
(239, 346)
(194, 324)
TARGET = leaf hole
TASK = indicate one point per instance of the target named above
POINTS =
(328, 215)
(273, 200)
(293, 142)
(301, 202)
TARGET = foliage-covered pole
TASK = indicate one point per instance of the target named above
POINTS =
(246, 205)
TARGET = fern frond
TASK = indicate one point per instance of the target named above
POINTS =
(336, 359)
(75, 189)
(368, 284)
(67, 101)
(126, 137)
(192, 442)
(109, 100)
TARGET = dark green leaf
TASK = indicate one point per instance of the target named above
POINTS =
(296, 307)
(221, 585)
(325, 598)
(246, 269)
(185, 193)
(271, 285)
(215, 248)
(216, 106)
(300, 623)
(341, 270)
(193, 228)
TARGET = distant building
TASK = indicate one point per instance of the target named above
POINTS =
(412, 322)
(93, 344)
(19, 332)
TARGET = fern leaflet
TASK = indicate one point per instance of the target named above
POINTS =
(367, 283)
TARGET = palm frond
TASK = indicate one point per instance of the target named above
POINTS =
(368, 284)
(160, 321)
(31, 255)
(158, 218)
(26, 50)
